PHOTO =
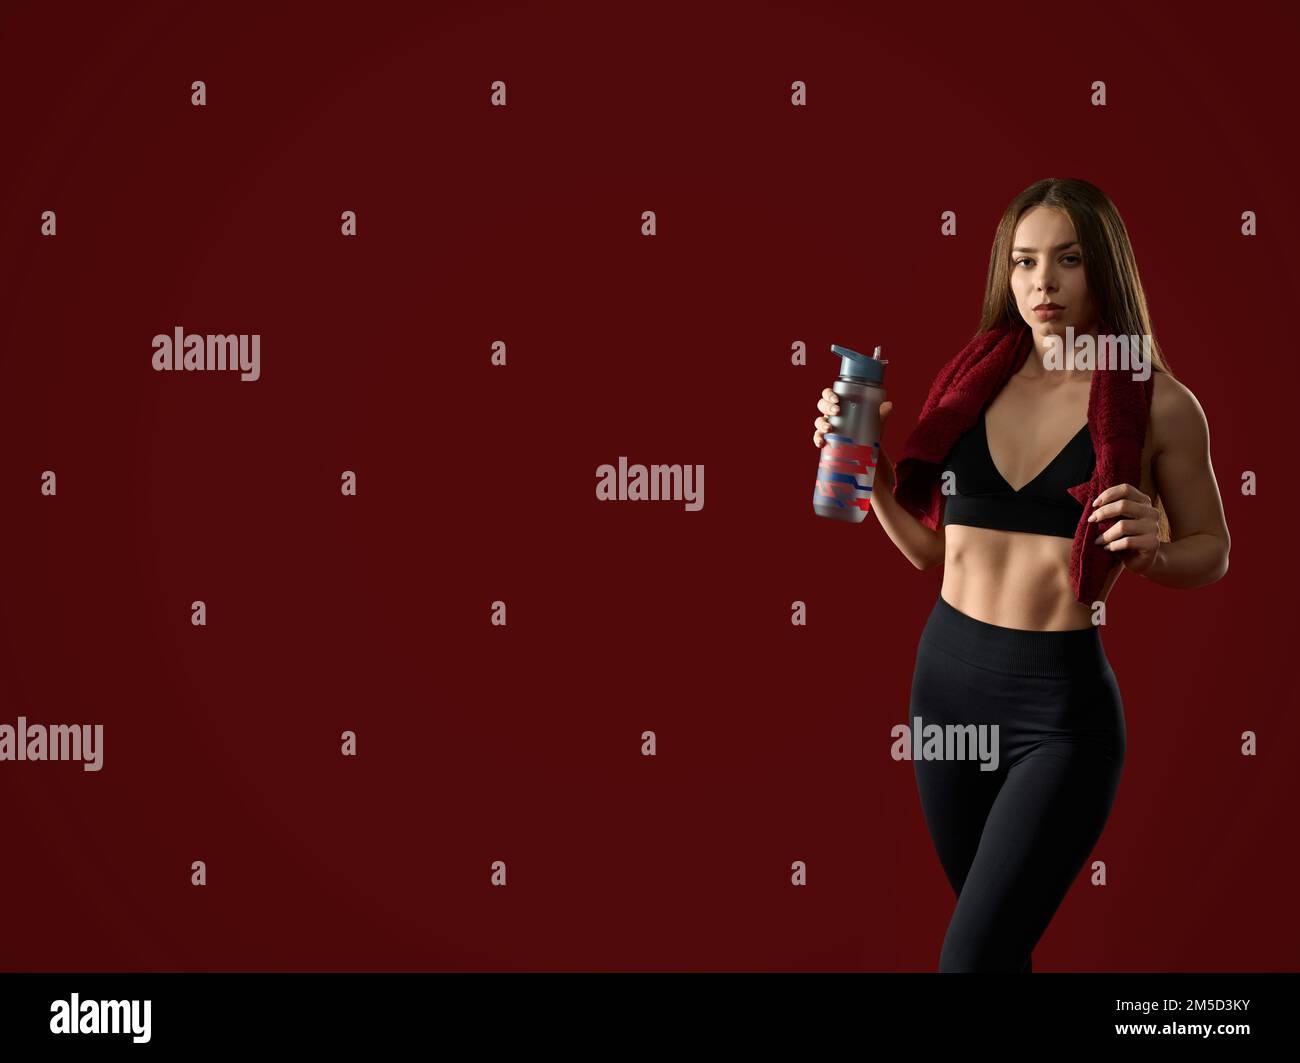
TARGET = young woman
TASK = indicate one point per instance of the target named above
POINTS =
(1011, 641)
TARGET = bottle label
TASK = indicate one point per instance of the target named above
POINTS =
(846, 472)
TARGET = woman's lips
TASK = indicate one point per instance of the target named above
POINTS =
(1049, 313)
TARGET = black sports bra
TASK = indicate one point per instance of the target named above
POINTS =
(984, 499)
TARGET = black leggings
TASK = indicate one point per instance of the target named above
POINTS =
(1012, 840)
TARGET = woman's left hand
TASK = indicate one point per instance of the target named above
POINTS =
(1136, 530)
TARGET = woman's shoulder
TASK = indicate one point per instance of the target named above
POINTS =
(1177, 417)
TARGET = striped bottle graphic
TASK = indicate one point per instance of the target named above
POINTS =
(846, 469)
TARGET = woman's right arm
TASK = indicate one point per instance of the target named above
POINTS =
(921, 546)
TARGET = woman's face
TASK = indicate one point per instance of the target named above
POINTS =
(1047, 267)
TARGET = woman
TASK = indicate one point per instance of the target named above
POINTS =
(1013, 643)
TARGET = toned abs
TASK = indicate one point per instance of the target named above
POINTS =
(1020, 579)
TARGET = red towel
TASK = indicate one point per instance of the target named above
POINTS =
(1118, 408)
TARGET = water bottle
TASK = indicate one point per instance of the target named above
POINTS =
(847, 467)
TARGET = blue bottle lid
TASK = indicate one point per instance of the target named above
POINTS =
(857, 366)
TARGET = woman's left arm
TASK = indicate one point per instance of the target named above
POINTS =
(1184, 480)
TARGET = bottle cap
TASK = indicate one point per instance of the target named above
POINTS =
(857, 366)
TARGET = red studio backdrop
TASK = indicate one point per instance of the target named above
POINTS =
(521, 225)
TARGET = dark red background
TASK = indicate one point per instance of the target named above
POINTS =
(477, 743)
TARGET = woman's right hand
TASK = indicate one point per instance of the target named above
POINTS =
(829, 404)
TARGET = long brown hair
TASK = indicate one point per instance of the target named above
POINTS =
(1108, 262)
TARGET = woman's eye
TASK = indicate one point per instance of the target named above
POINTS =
(1077, 259)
